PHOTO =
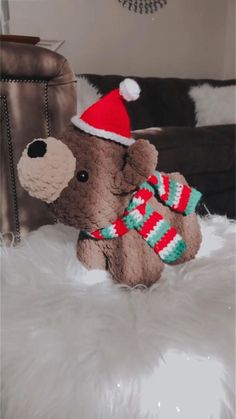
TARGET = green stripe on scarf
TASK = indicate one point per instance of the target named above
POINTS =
(164, 227)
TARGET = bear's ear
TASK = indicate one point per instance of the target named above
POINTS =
(140, 162)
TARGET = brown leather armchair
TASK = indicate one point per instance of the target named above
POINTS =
(38, 97)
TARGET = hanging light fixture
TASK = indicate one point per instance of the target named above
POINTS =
(143, 6)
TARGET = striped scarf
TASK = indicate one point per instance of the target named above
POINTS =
(151, 225)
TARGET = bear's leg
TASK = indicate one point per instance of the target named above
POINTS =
(187, 226)
(131, 261)
(90, 254)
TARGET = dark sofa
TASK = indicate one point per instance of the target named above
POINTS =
(205, 155)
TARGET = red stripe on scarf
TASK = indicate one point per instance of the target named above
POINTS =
(97, 234)
(153, 180)
(166, 183)
(142, 208)
(145, 194)
(165, 240)
(150, 223)
(120, 227)
(184, 199)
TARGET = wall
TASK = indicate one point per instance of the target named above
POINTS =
(230, 36)
(187, 38)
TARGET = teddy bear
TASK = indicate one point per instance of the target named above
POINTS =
(132, 219)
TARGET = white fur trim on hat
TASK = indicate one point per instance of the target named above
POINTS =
(79, 123)
(129, 90)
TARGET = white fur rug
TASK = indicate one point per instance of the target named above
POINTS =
(76, 346)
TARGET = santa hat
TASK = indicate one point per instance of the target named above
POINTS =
(108, 118)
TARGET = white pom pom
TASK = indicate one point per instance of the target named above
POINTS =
(129, 89)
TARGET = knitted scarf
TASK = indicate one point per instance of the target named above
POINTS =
(151, 225)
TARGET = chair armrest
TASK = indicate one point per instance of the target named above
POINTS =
(23, 61)
(38, 98)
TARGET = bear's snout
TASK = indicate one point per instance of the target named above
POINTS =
(37, 149)
(45, 168)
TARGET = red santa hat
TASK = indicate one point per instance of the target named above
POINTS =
(108, 118)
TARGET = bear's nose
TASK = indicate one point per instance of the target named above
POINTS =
(37, 149)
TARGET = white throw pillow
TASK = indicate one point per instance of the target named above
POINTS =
(87, 94)
(214, 105)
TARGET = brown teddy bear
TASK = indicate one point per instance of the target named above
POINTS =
(132, 219)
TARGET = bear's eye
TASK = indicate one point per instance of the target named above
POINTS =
(82, 176)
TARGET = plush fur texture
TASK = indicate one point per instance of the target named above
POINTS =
(77, 346)
(114, 172)
(214, 105)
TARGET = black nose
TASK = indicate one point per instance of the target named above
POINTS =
(37, 149)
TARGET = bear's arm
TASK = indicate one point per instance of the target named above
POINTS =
(178, 177)
(90, 254)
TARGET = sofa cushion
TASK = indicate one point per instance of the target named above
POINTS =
(192, 150)
(205, 155)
